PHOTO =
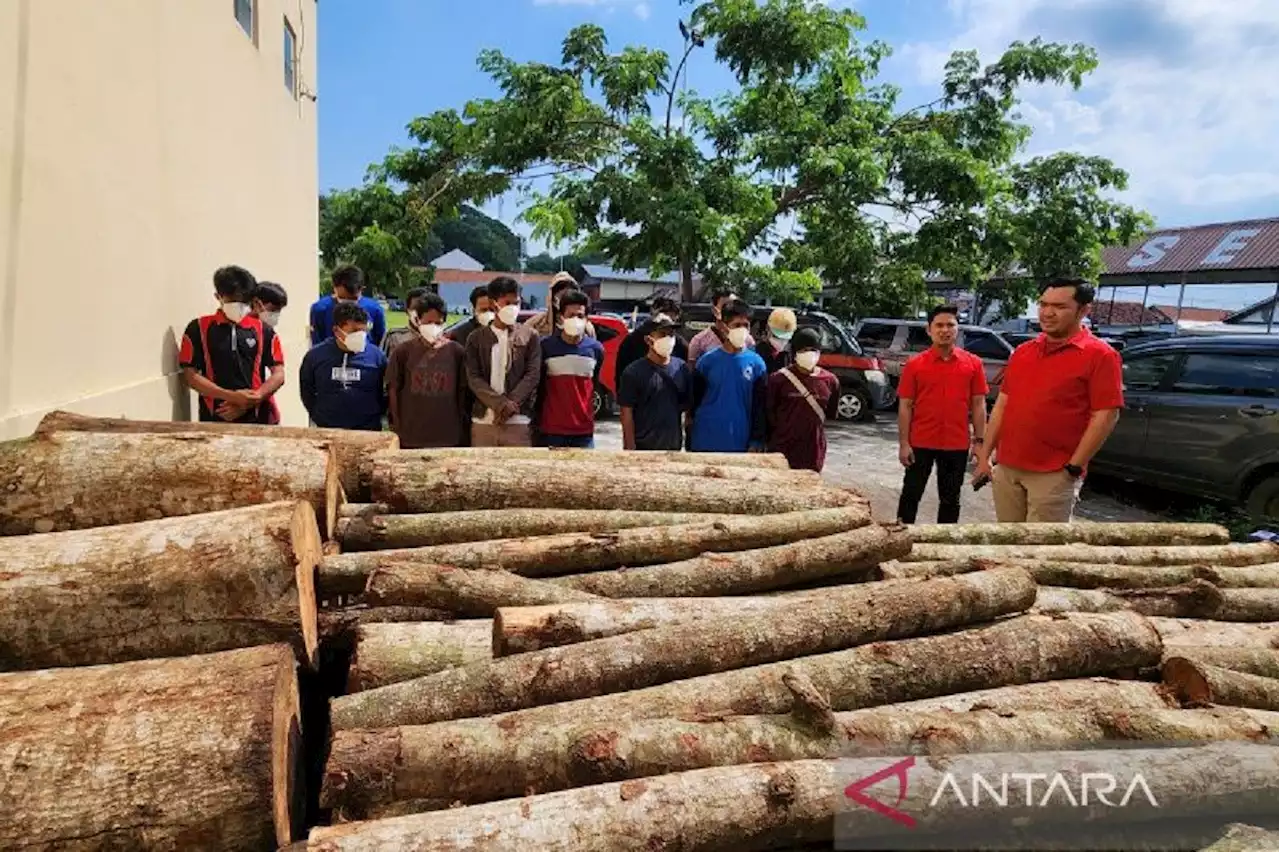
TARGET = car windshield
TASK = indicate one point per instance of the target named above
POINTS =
(846, 331)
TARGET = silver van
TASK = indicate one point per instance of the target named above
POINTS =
(893, 341)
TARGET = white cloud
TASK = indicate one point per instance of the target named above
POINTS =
(1185, 96)
(642, 11)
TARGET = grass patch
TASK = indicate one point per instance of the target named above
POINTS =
(399, 319)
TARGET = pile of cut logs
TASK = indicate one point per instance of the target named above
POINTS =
(589, 651)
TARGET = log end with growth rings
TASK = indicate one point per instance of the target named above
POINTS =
(308, 550)
(288, 786)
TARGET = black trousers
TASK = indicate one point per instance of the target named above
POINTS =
(951, 465)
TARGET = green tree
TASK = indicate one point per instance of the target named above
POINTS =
(376, 227)
(873, 196)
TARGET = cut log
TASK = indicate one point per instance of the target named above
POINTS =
(897, 570)
(1077, 532)
(1018, 650)
(353, 449)
(1186, 631)
(748, 571)
(472, 763)
(385, 531)
(1082, 694)
(362, 510)
(842, 618)
(391, 653)
(777, 805)
(1238, 837)
(407, 485)
(1196, 599)
(615, 458)
(1198, 685)
(540, 556)
(357, 614)
(1082, 575)
(463, 591)
(166, 588)
(75, 480)
(1253, 553)
(198, 752)
(1255, 661)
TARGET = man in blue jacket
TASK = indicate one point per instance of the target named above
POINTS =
(729, 390)
(341, 379)
(348, 286)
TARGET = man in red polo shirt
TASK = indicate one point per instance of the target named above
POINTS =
(1060, 400)
(941, 393)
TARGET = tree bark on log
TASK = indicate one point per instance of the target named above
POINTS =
(386, 531)
(615, 458)
(1188, 631)
(199, 752)
(749, 571)
(368, 770)
(1238, 837)
(391, 653)
(166, 588)
(1018, 650)
(777, 805)
(463, 591)
(898, 570)
(1077, 532)
(1081, 694)
(541, 556)
(1082, 575)
(353, 449)
(76, 480)
(1262, 662)
(409, 486)
(841, 618)
(1196, 599)
(1199, 685)
(1253, 553)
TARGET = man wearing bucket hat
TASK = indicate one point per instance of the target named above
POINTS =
(775, 349)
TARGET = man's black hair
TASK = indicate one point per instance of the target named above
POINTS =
(665, 305)
(431, 302)
(477, 293)
(350, 278)
(271, 293)
(503, 285)
(235, 283)
(575, 297)
(720, 293)
(1083, 290)
(415, 293)
(943, 309)
(734, 308)
(345, 312)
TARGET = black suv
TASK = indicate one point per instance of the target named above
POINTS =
(1200, 418)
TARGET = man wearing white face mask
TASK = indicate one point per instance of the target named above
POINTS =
(397, 336)
(799, 399)
(654, 392)
(426, 380)
(341, 379)
(571, 363)
(269, 301)
(729, 390)
(503, 363)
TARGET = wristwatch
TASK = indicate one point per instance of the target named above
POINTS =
(1073, 470)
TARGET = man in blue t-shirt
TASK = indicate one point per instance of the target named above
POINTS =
(341, 380)
(571, 361)
(348, 286)
(729, 390)
(654, 392)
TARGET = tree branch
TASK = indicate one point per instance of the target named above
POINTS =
(675, 82)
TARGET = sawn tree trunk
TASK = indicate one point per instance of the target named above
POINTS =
(1077, 532)
(1196, 599)
(166, 588)
(548, 466)
(1082, 694)
(1198, 685)
(198, 752)
(1188, 631)
(395, 652)
(1083, 575)
(1255, 661)
(1253, 553)
(463, 591)
(615, 458)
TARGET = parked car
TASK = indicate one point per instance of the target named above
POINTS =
(893, 341)
(610, 331)
(1200, 418)
(863, 384)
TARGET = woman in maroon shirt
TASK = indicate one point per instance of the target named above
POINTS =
(798, 400)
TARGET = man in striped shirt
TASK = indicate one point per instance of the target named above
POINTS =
(571, 361)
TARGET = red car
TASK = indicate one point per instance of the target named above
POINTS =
(610, 331)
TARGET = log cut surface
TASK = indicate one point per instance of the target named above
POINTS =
(1198, 684)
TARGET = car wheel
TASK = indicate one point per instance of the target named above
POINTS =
(855, 404)
(601, 403)
(1261, 502)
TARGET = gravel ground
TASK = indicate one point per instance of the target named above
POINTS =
(865, 456)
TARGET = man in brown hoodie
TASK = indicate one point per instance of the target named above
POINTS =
(545, 323)
(503, 367)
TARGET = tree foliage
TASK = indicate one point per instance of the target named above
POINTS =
(808, 171)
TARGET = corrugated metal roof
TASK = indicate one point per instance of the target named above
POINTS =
(1248, 244)
(639, 276)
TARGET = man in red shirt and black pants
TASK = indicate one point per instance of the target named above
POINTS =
(942, 392)
(1060, 401)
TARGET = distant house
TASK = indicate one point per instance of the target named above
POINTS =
(457, 259)
(621, 290)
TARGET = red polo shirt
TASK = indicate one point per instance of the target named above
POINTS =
(1052, 388)
(942, 390)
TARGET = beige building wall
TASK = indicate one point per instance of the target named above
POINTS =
(143, 144)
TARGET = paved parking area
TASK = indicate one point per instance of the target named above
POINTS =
(865, 456)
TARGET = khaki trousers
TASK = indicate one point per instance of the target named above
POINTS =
(505, 435)
(1029, 496)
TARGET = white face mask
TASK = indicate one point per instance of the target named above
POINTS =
(431, 331)
(484, 318)
(235, 311)
(738, 337)
(355, 342)
(269, 318)
(807, 359)
(664, 346)
(509, 314)
(574, 326)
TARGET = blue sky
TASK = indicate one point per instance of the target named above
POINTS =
(1185, 99)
